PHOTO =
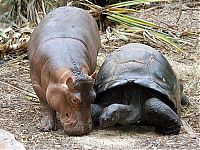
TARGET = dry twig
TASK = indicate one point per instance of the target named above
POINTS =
(189, 129)
(19, 89)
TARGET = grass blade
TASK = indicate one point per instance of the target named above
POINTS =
(136, 2)
(168, 39)
(120, 10)
(133, 19)
(159, 35)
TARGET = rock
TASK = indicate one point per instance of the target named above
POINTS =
(8, 141)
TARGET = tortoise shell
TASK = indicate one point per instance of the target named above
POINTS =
(142, 65)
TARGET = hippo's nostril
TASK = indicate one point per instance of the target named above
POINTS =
(67, 115)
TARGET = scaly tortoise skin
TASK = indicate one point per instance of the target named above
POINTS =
(137, 85)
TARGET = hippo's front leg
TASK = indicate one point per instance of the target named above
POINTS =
(119, 113)
(49, 120)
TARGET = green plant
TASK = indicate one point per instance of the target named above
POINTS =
(23, 11)
(121, 14)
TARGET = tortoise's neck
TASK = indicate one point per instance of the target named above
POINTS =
(133, 114)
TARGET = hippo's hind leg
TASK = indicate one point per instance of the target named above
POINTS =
(119, 113)
(49, 120)
(160, 115)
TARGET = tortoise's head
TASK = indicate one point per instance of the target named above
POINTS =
(73, 102)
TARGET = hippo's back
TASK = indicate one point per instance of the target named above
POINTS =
(68, 22)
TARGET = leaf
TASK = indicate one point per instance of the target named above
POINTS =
(134, 30)
(120, 34)
(28, 97)
(168, 39)
(136, 2)
(120, 10)
(6, 14)
(127, 21)
(132, 22)
(2, 34)
(133, 19)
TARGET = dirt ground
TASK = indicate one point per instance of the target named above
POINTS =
(20, 112)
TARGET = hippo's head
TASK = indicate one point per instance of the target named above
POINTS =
(72, 100)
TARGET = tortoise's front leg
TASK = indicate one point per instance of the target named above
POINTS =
(119, 113)
(96, 111)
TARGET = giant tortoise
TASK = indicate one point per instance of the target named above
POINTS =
(137, 85)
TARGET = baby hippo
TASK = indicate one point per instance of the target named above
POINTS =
(62, 55)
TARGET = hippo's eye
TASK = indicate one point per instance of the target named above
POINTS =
(75, 100)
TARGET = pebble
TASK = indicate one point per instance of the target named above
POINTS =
(1, 61)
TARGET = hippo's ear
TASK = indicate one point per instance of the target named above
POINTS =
(94, 75)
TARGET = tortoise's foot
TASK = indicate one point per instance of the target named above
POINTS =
(48, 122)
(169, 130)
(158, 114)
(184, 99)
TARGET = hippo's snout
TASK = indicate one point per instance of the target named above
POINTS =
(77, 128)
(79, 123)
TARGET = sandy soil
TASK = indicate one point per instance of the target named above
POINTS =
(20, 112)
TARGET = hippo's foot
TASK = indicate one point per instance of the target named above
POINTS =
(48, 122)
(118, 113)
(169, 130)
(160, 115)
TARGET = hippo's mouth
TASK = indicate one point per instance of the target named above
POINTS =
(76, 128)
